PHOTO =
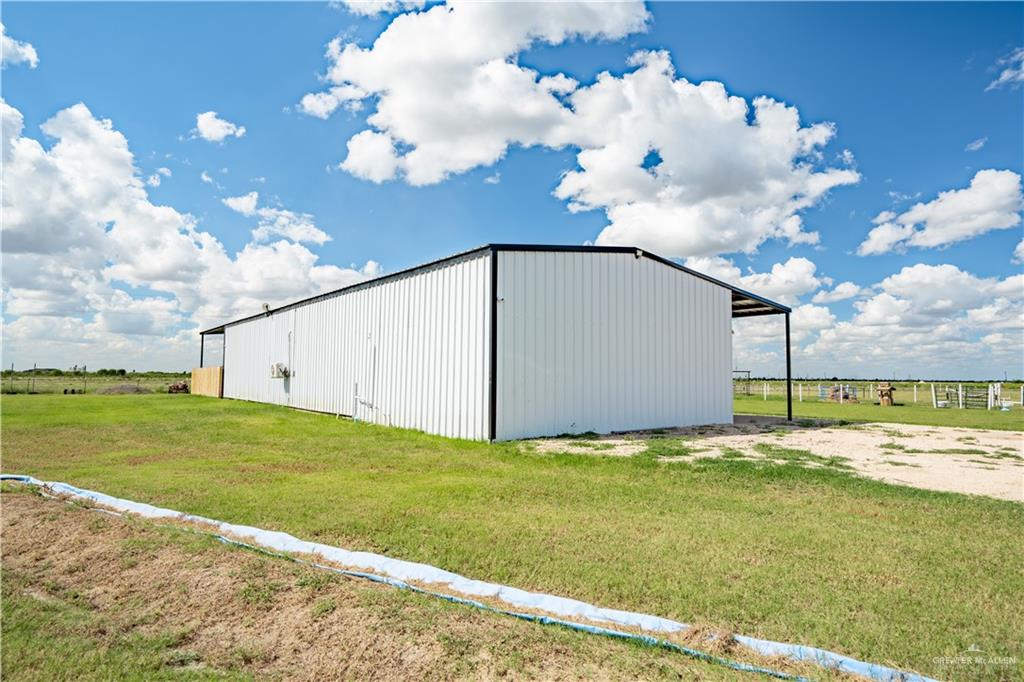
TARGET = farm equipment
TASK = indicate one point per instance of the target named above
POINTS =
(178, 387)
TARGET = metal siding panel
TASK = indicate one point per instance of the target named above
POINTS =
(608, 342)
(417, 346)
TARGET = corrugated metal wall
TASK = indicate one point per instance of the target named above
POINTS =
(608, 342)
(417, 347)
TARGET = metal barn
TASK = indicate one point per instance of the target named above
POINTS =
(502, 342)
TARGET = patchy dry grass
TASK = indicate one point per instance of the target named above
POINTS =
(197, 610)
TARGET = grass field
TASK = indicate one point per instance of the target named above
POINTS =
(902, 413)
(814, 556)
(26, 382)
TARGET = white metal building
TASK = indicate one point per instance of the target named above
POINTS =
(505, 341)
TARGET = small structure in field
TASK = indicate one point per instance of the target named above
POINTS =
(839, 393)
(741, 381)
(886, 391)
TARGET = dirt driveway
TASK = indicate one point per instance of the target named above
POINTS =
(972, 461)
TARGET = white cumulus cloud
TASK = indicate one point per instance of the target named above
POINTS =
(323, 104)
(373, 7)
(245, 204)
(277, 222)
(156, 178)
(929, 319)
(371, 156)
(728, 177)
(841, 292)
(95, 272)
(785, 282)
(212, 128)
(15, 51)
(992, 201)
(450, 96)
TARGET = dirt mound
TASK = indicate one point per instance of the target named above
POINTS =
(123, 389)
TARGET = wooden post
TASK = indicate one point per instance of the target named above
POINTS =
(960, 395)
(764, 389)
(801, 389)
(935, 399)
(915, 393)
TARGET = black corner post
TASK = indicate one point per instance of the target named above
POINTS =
(202, 347)
(493, 381)
(789, 376)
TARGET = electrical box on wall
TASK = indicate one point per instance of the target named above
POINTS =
(278, 370)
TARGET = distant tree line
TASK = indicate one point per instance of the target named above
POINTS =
(82, 371)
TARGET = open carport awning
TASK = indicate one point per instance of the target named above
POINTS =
(746, 304)
(750, 305)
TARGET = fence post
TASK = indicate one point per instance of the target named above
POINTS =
(764, 389)
(960, 395)
(800, 388)
(915, 393)
(935, 399)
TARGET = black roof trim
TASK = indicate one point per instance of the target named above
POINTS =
(737, 293)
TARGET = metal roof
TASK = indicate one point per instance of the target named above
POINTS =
(744, 303)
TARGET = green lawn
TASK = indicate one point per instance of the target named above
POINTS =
(902, 413)
(819, 557)
(26, 382)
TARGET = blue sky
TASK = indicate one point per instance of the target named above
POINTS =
(907, 86)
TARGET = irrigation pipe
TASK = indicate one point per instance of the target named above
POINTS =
(400, 574)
